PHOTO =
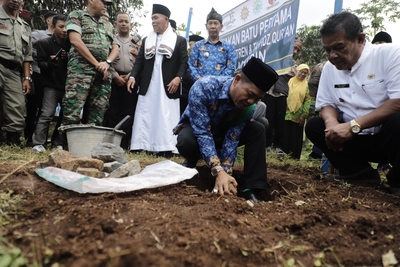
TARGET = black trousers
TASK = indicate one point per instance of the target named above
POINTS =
(33, 105)
(362, 149)
(253, 137)
(122, 103)
(276, 109)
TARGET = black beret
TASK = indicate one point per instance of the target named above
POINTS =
(49, 14)
(173, 23)
(382, 37)
(214, 16)
(195, 38)
(259, 73)
(160, 9)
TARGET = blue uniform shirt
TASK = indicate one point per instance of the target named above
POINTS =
(217, 59)
(209, 110)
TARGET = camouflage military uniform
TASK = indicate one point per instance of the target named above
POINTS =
(15, 48)
(83, 81)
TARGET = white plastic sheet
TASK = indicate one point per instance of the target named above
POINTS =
(156, 175)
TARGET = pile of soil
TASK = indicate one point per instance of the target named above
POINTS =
(307, 222)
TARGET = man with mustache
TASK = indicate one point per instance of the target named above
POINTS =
(359, 97)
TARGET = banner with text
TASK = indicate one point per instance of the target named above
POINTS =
(264, 29)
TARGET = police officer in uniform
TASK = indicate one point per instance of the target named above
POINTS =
(15, 59)
(123, 103)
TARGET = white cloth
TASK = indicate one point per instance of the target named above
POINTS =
(165, 45)
(156, 115)
(374, 79)
(156, 175)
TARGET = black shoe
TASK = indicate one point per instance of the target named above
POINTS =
(13, 139)
(189, 164)
(314, 155)
(367, 177)
(251, 195)
(393, 190)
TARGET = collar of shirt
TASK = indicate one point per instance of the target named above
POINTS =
(209, 41)
(364, 54)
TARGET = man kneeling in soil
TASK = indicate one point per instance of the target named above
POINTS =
(218, 119)
(359, 97)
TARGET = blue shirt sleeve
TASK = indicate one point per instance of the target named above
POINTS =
(230, 61)
(194, 60)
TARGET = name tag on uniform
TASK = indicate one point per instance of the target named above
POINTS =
(342, 85)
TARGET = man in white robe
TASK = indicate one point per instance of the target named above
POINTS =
(159, 68)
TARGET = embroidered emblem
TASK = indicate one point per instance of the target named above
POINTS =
(371, 76)
(221, 49)
(203, 48)
(3, 26)
(218, 67)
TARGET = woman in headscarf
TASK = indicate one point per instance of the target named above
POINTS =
(298, 106)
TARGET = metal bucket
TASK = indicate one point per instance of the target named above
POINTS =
(82, 138)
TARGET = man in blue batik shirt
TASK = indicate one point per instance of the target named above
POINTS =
(218, 119)
(212, 56)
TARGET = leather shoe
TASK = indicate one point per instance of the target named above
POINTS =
(366, 177)
(251, 195)
(189, 164)
(393, 190)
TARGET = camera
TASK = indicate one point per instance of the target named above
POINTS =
(136, 39)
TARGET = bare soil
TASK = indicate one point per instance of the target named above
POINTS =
(307, 222)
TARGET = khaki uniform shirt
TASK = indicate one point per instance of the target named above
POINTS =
(15, 39)
(128, 51)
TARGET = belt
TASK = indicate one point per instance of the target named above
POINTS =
(10, 65)
(122, 73)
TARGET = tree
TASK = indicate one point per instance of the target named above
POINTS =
(312, 52)
(375, 11)
(38, 8)
(182, 30)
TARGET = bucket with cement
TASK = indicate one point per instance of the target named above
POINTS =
(82, 138)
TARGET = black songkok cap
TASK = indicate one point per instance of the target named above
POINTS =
(195, 38)
(259, 73)
(382, 37)
(49, 14)
(160, 9)
(107, 2)
(214, 16)
(173, 23)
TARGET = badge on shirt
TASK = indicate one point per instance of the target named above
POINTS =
(217, 67)
(221, 49)
(342, 85)
(371, 76)
(202, 48)
(206, 54)
(3, 26)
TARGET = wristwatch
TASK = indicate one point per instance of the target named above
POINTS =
(108, 61)
(216, 169)
(28, 78)
(355, 127)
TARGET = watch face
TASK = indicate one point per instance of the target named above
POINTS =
(355, 129)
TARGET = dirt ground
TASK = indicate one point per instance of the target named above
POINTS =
(307, 222)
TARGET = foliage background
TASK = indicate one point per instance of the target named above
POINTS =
(38, 8)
